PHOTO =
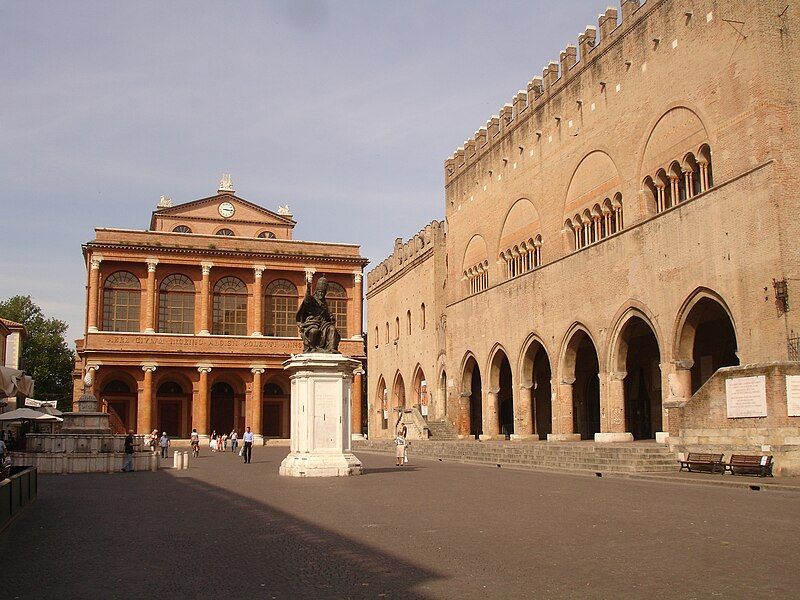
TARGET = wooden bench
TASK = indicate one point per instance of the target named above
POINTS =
(698, 461)
(745, 464)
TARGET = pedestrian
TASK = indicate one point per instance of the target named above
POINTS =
(154, 441)
(195, 441)
(248, 445)
(400, 443)
(219, 443)
(225, 442)
(164, 444)
(127, 464)
(213, 443)
(234, 440)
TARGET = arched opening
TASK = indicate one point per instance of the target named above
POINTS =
(121, 302)
(581, 363)
(535, 375)
(709, 338)
(399, 393)
(421, 396)
(471, 386)
(500, 379)
(223, 401)
(119, 394)
(176, 304)
(280, 308)
(692, 175)
(650, 196)
(422, 316)
(640, 357)
(230, 307)
(275, 415)
(173, 404)
(441, 395)
(665, 188)
(382, 402)
(408, 322)
(704, 158)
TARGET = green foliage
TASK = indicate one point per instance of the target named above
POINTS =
(45, 354)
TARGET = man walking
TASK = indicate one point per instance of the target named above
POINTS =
(248, 445)
(127, 464)
(164, 444)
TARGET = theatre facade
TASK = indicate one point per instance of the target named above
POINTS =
(189, 321)
(618, 243)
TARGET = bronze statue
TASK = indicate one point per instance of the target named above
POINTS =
(317, 325)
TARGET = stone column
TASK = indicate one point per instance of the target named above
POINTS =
(659, 198)
(563, 423)
(674, 189)
(205, 297)
(144, 421)
(463, 414)
(689, 182)
(200, 414)
(358, 296)
(524, 417)
(93, 293)
(150, 291)
(258, 299)
(703, 177)
(355, 403)
(491, 416)
(253, 408)
(612, 419)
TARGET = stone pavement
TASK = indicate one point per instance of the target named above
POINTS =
(223, 529)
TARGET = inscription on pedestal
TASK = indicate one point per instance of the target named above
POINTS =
(793, 395)
(326, 420)
(746, 397)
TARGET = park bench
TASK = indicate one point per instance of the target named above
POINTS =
(699, 461)
(745, 464)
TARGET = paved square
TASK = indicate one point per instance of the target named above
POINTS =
(431, 530)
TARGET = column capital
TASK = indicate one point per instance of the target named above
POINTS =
(206, 266)
(96, 260)
(259, 370)
(357, 276)
(567, 380)
(617, 375)
(526, 386)
(151, 264)
(204, 369)
(148, 368)
(259, 269)
(310, 273)
(683, 364)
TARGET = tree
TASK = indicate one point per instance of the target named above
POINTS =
(45, 356)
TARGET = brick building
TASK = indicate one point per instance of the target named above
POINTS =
(621, 230)
(188, 322)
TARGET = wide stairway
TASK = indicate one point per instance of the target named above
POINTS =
(442, 430)
(583, 457)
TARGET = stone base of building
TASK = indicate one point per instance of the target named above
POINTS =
(608, 437)
(563, 437)
(485, 437)
(307, 464)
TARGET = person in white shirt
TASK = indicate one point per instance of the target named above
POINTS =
(248, 445)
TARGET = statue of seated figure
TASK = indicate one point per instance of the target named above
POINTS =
(317, 325)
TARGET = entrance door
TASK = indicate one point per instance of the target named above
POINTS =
(273, 419)
(169, 417)
(222, 408)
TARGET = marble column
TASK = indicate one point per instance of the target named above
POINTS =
(358, 296)
(612, 418)
(205, 298)
(258, 301)
(144, 421)
(150, 291)
(253, 410)
(93, 293)
(355, 403)
(524, 417)
(201, 412)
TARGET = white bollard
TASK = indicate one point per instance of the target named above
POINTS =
(154, 462)
(176, 460)
(185, 460)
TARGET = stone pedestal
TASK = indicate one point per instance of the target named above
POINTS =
(563, 437)
(321, 423)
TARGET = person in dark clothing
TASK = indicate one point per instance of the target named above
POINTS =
(127, 464)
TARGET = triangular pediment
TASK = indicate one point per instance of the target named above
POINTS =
(217, 208)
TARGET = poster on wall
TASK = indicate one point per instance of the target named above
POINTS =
(793, 395)
(746, 397)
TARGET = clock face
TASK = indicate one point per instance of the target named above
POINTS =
(226, 209)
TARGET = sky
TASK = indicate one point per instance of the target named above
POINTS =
(345, 110)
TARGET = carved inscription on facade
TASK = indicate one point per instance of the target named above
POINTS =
(746, 397)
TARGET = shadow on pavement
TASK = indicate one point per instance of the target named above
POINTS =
(156, 535)
(368, 471)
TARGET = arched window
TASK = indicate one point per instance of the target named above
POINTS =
(182, 229)
(617, 222)
(273, 389)
(116, 386)
(376, 336)
(408, 322)
(387, 332)
(266, 235)
(397, 328)
(422, 316)
(224, 231)
(176, 305)
(280, 308)
(706, 175)
(121, 301)
(230, 307)
(169, 388)
(337, 304)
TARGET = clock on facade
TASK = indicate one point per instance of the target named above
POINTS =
(226, 209)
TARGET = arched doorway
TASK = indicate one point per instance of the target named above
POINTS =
(398, 398)
(708, 338)
(471, 388)
(223, 400)
(536, 375)
(173, 404)
(421, 397)
(275, 417)
(441, 396)
(120, 397)
(382, 403)
(582, 365)
(639, 356)
(500, 379)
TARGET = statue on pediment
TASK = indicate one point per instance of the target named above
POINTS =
(316, 323)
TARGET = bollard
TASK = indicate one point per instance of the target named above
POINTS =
(185, 460)
(154, 462)
(176, 460)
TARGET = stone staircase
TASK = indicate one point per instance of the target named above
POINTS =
(584, 457)
(442, 430)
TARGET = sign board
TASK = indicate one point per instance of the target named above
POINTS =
(793, 395)
(424, 410)
(746, 397)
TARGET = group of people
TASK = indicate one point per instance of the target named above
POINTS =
(154, 442)
(219, 443)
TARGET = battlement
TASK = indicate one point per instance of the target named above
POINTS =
(405, 253)
(555, 76)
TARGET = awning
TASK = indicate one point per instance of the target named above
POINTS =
(28, 414)
(14, 382)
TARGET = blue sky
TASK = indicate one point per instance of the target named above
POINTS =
(344, 110)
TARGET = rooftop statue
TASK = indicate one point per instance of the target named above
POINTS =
(317, 325)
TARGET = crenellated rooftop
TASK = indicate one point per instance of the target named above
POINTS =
(404, 253)
(540, 90)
